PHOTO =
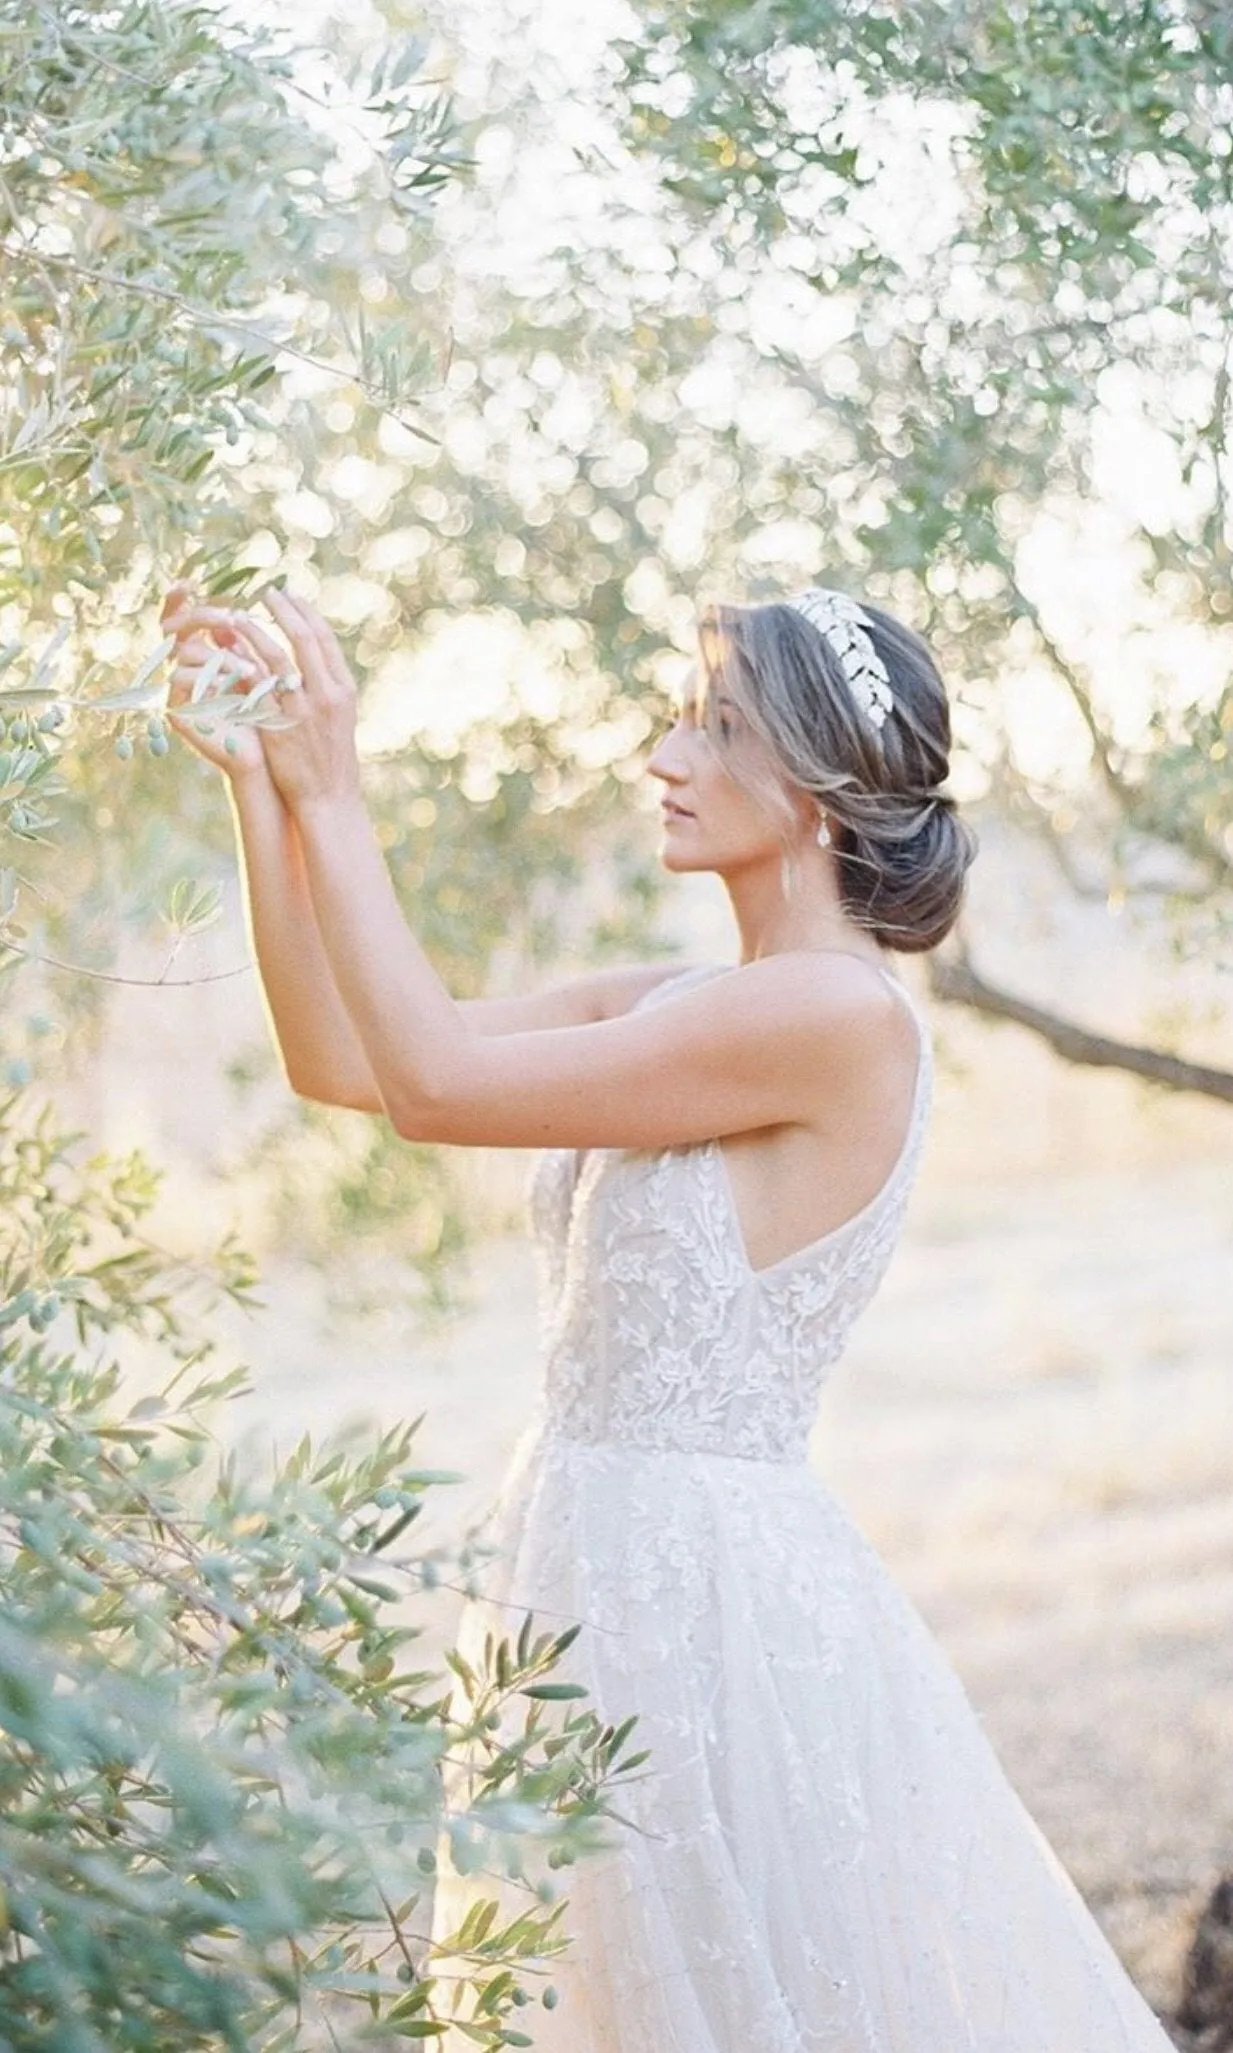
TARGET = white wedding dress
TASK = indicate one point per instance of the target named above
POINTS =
(829, 1857)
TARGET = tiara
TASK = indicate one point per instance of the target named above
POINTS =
(842, 624)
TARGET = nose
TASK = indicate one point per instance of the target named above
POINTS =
(667, 759)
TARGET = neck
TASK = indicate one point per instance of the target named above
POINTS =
(810, 917)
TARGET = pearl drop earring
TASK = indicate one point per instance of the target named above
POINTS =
(823, 836)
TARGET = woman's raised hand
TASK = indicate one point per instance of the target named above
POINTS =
(311, 750)
(212, 655)
(308, 742)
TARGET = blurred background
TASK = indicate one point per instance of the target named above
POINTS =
(508, 332)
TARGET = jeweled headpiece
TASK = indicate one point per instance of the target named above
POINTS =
(843, 623)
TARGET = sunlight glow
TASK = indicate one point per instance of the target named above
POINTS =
(471, 668)
(574, 194)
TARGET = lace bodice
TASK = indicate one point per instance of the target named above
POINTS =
(658, 1332)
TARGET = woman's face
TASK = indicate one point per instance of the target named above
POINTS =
(711, 821)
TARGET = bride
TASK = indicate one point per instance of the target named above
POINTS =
(826, 1852)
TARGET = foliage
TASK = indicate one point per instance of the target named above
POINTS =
(1065, 187)
(233, 376)
(257, 321)
(157, 292)
(224, 1774)
(155, 280)
(857, 292)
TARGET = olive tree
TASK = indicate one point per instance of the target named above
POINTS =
(225, 1774)
(231, 376)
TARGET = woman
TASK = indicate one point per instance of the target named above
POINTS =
(825, 1851)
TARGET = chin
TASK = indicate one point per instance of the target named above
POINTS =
(683, 865)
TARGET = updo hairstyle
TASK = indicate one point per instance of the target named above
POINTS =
(903, 852)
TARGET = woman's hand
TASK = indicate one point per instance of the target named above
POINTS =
(308, 742)
(210, 644)
(310, 746)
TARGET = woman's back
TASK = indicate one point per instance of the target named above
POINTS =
(658, 1330)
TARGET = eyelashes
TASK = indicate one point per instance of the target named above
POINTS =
(721, 723)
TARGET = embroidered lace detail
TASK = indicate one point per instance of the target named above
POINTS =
(659, 1333)
(823, 1854)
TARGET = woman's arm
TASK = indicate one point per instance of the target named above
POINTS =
(779, 1041)
(784, 1040)
(323, 1056)
(321, 1052)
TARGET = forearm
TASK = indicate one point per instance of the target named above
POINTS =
(414, 1035)
(322, 1053)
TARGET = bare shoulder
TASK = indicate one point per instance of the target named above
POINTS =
(818, 987)
(841, 1014)
(797, 991)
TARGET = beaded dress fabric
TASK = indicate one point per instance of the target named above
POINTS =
(823, 1852)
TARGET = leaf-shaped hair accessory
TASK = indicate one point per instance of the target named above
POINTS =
(843, 623)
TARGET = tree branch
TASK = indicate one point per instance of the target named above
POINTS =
(207, 317)
(1112, 776)
(1195, 843)
(103, 976)
(955, 982)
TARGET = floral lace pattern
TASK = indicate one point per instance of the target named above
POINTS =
(823, 1853)
(658, 1331)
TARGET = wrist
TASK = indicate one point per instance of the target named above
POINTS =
(310, 809)
(251, 779)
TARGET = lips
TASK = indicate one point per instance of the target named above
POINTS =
(672, 812)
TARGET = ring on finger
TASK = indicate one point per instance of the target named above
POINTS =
(287, 681)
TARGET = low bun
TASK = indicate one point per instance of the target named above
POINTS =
(907, 891)
(902, 851)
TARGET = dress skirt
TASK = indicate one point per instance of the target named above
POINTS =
(823, 1853)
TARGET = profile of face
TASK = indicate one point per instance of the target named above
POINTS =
(707, 761)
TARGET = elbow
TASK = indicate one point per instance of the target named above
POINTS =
(317, 1089)
(418, 1120)
(301, 1085)
(324, 1090)
(425, 1108)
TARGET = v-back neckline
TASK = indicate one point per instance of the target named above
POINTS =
(712, 1150)
(811, 1248)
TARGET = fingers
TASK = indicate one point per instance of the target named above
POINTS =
(194, 651)
(194, 648)
(321, 660)
(177, 600)
(330, 647)
(262, 647)
(219, 621)
(204, 631)
(313, 641)
(203, 670)
(287, 613)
